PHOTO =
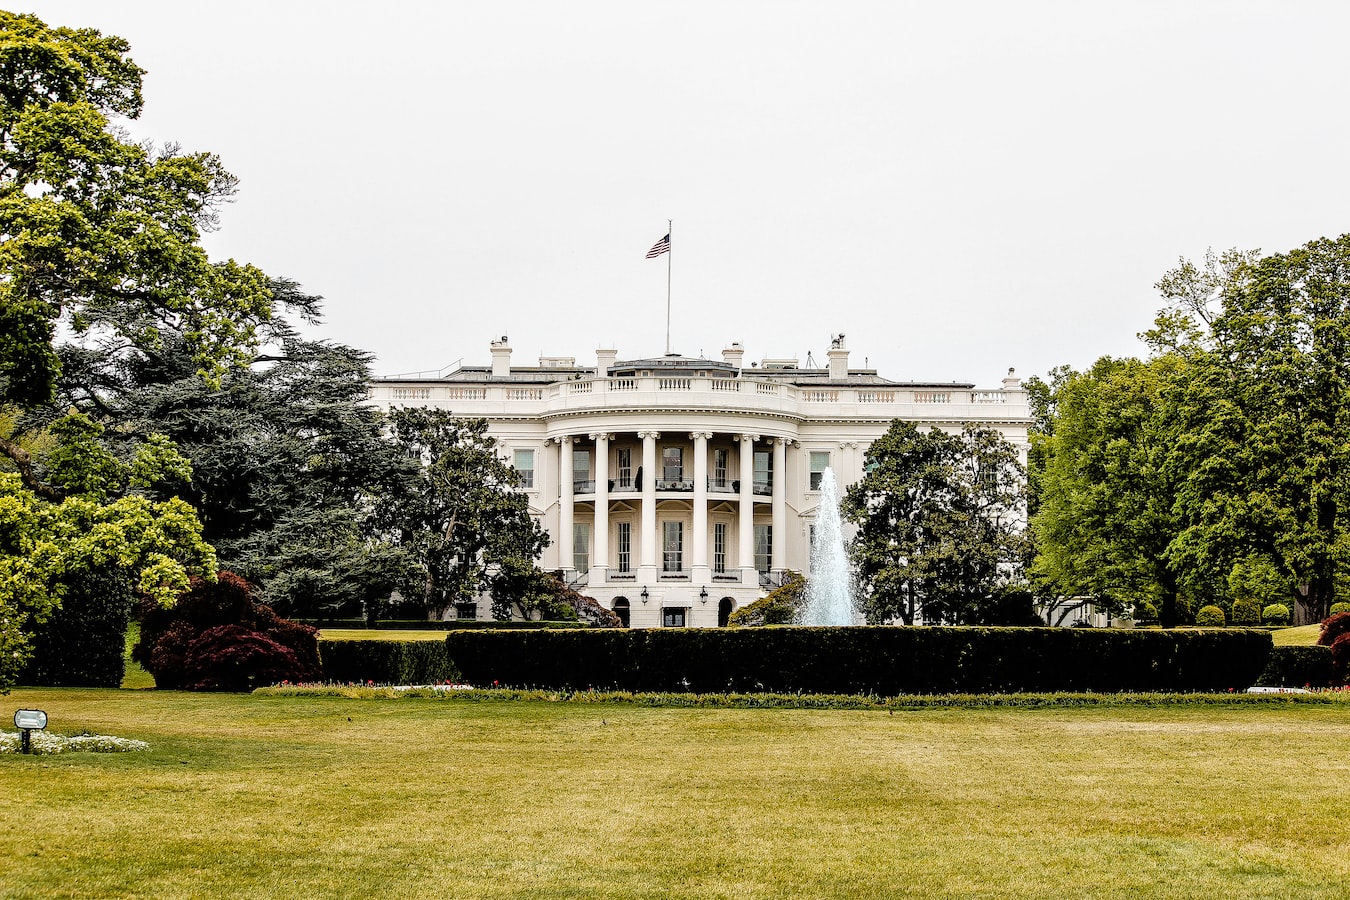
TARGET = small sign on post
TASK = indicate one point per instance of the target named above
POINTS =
(27, 720)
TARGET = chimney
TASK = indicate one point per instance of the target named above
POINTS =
(838, 359)
(603, 360)
(1012, 382)
(501, 358)
(734, 354)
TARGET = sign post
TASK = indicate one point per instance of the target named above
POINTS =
(26, 720)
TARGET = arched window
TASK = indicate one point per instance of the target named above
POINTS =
(725, 607)
(620, 607)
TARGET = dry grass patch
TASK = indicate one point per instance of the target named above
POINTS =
(254, 796)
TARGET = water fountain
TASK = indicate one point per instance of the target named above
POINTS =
(829, 598)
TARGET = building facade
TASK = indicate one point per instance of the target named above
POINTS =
(677, 490)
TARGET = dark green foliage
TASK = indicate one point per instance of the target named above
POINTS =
(1246, 612)
(1275, 614)
(520, 589)
(782, 605)
(83, 643)
(441, 624)
(1210, 617)
(386, 662)
(878, 660)
(1338, 608)
(1297, 667)
(189, 646)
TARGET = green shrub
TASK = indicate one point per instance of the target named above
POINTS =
(385, 662)
(1145, 612)
(83, 642)
(1210, 617)
(1297, 667)
(782, 606)
(1246, 612)
(1275, 614)
(1338, 608)
(883, 660)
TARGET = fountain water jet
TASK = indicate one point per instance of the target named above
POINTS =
(829, 598)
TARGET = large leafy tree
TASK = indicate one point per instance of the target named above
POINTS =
(98, 232)
(461, 519)
(1107, 486)
(939, 524)
(1266, 443)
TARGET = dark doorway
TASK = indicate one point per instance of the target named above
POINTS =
(724, 609)
(621, 609)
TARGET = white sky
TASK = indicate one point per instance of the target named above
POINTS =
(959, 187)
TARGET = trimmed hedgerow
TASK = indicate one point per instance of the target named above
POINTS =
(882, 660)
(385, 662)
(439, 624)
(1297, 667)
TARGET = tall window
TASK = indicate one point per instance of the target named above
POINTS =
(719, 546)
(820, 461)
(720, 457)
(625, 546)
(581, 546)
(672, 464)
(763, 472)
(581, 472)
(524, 463)
(763, 548)
(672, 559)
(625, 458)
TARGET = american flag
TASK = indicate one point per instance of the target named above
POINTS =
(661, 246)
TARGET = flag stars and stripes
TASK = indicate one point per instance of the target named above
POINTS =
(661, 246)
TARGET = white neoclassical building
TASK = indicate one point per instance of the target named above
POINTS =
(677, 490)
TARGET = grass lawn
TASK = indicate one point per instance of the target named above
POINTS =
(251, 796)
(1303, 635)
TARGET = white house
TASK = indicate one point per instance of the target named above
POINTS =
(677, 490)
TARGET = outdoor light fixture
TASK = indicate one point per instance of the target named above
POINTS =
(645, 595)
(703, 595)
(28, 720)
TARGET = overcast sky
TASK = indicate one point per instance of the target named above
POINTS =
(958, 187)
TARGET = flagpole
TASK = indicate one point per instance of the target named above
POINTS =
(669, 253)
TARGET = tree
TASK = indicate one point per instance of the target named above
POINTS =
(520, 589)
(461, 517)
(1266, 441)
(1108, 484)
(939, 524)
(99, 235)
(287, 457)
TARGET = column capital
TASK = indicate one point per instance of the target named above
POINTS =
(597, 435)
(785, 441)
(849, 444)
(747, 437)
(695, 435)
(654, 435)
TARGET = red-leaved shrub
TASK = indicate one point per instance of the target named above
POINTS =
(1340, 659)
(1333, 627)
(216, 638)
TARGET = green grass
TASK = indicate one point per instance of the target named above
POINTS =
(259, 796)
(1300, 636)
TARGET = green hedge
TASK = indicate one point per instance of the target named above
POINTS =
(1298, 667)
(435, 625)
(867, 660)
(385, 662)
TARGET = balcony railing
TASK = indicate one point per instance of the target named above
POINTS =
(762, 487)
(583, 486)
(671, 484)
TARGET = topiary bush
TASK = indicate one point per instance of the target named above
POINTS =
(216, 638)
(1246, 612)
(1210, 617)
(782, 606)
(1338, 608)
(1275, 614)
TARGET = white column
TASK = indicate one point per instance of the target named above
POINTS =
(647, 560)
(565, 492)
(746, 527)
(779, 547)
(600, 564)
(699, 538)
